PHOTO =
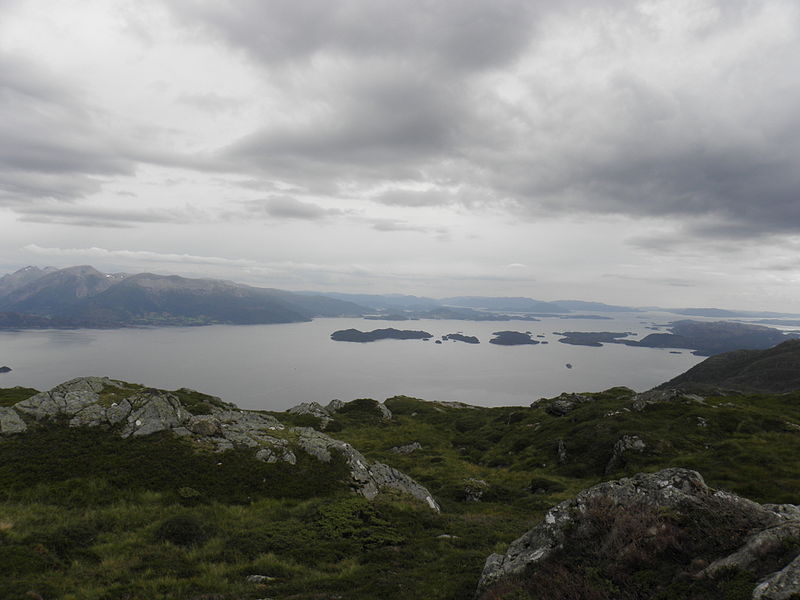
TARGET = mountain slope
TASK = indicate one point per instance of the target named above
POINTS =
(24, 276)
(56, 291)
(774, 370)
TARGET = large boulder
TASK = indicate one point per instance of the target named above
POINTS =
(671, 513)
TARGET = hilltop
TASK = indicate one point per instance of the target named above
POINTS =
(124, 491)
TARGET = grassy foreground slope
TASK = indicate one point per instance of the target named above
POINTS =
(87, 515)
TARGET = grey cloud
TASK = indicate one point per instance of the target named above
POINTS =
(414, 199)
(384, 125)
(400, 225)
(210, 102)
(442, 33)
(49, 145)
(667, 281)
(287, 207)
(83, 216)
(641, 123)
(55, 146)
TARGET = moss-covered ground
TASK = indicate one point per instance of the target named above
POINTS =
(87, 515)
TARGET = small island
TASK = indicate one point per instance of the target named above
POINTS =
(512, 338)
(354, 335)
(458, 337)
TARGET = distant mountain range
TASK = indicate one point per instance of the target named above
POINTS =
(82, 296)
(421, 307)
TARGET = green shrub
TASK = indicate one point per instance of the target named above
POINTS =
(181, 530)
(72, 541)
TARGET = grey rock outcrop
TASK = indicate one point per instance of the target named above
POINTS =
(334, 405)
(385, 412)
(474, 489)
(657, 396)
(757, 546)
(406, 448)
(11, 422)
(566, 403)
(315, 409)
(561, 451)
(366, 478)
(781, 585)
(679, 490)
(623, 446)
(133, 411)
(66, 399)
(326, 413)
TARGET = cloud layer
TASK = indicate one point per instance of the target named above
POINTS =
(673, 109)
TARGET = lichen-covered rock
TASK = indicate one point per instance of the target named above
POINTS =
(154, 411)
(66, 399)
(681, 491)
(11, 422)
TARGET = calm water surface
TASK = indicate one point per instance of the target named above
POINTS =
(278, 366)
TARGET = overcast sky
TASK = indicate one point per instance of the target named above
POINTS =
(642, 153)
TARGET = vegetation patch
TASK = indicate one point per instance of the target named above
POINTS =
(10, 396)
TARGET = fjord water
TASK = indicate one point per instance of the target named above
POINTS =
(274, 367)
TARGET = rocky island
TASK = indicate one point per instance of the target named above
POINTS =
(390, 333)
(458, 337)
(512, 338)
